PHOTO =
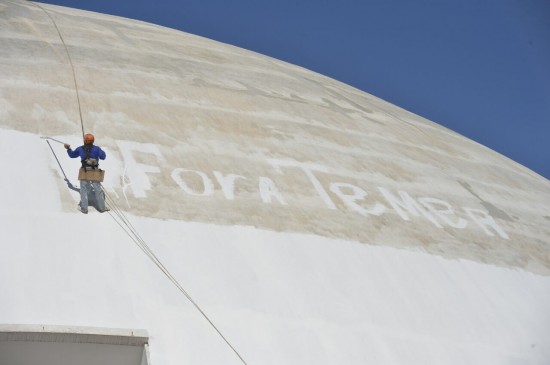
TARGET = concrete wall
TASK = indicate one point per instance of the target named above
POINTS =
(55, 345)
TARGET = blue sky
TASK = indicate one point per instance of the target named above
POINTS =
(478, 67)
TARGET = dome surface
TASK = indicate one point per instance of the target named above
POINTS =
(315, 223)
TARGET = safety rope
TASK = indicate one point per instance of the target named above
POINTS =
(120, 218)
(71, 64)
(118, 215)
(124, 223)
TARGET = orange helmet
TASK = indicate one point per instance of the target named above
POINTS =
(89, 138)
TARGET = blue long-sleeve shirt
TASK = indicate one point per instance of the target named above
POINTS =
(96, 152)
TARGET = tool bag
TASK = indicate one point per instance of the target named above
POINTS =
(91, 175)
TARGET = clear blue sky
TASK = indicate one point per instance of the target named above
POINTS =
(479, 67)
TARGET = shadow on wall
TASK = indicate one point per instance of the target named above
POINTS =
(71, 186)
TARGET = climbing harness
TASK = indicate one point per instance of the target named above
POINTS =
(90, 170)
(89, 163)
(118, 215)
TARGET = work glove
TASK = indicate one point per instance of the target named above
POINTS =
(67, 146)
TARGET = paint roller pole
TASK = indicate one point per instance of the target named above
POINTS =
(53, 139)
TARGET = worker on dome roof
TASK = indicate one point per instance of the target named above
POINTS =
(90, 175)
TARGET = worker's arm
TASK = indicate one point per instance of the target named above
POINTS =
(71, 153)
(101, 154)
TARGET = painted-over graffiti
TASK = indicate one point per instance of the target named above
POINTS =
(377, 201)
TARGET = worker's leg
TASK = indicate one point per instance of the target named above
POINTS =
(99, 196)
(84, 189)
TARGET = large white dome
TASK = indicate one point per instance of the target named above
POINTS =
(314, 223)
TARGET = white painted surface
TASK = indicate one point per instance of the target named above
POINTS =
(279, 297)
(357, 234)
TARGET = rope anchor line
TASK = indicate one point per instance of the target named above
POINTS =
(70, 63)
(124, 223)
(119, 216)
